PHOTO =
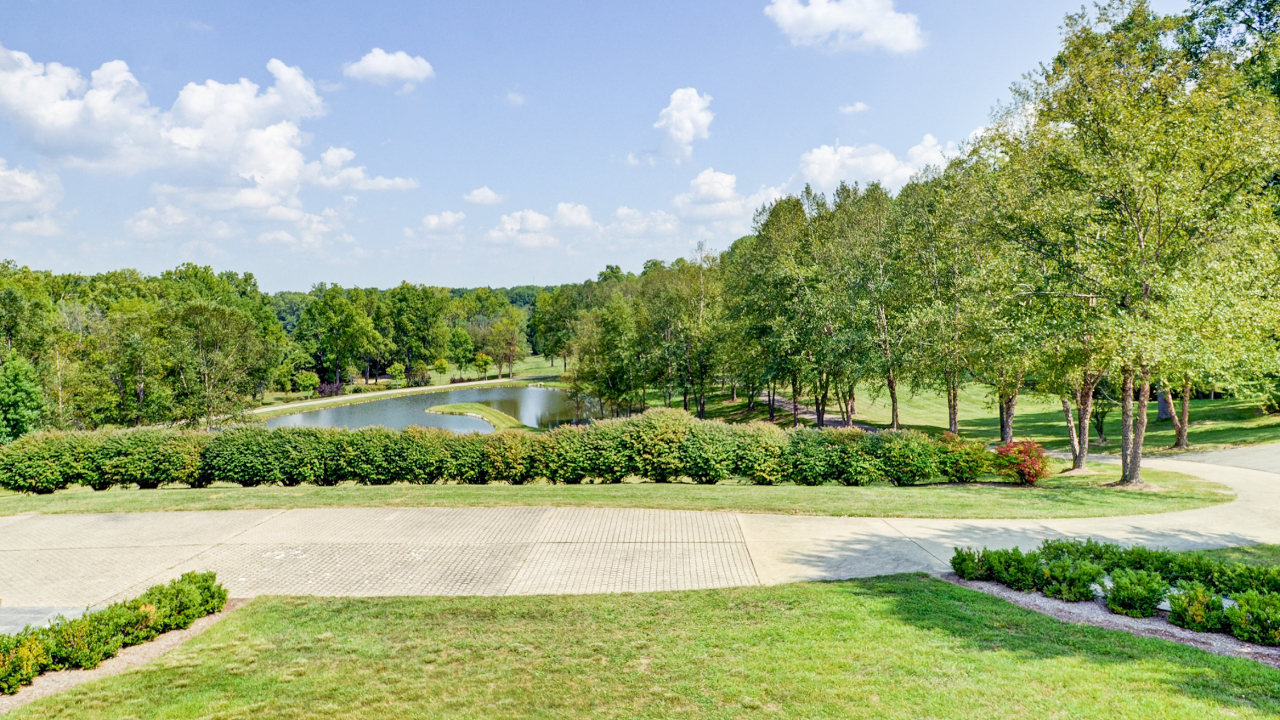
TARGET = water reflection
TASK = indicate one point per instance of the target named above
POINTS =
(535, 407)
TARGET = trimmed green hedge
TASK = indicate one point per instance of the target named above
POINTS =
(88, 640)
(661, 445)
(1140, 579)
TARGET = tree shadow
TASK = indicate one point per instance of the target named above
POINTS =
(986, 623)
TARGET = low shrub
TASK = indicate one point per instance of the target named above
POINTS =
(971, 564)
(366, 456)
(708, 452)
(849, 460)
(963, 461)
(607, 448)
(1015, 569)
(250, 456)
(908, 457)
(46, 462)
(1025, 461)
(330, 390)
(148, 458)
(1135, 593)
(1070, 580)
(561, 455)
(307, 455)
(1194, 607)
(655, 440)
(1256, 617)
(805, 458)
(760, 448)
(86, 641)
(509, 457)
(422, 455)
(466, 460)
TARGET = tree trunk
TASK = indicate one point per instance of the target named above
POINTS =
(1126, 423)
(1164, 403)
(1084, 410)
(1072, 433)
(1181, 417)
(771, 397)
(795, 399)
(892, 382)
(1008, 406)
(1133, 425)
(953, 402)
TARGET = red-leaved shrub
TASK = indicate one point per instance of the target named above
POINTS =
(1024, 460)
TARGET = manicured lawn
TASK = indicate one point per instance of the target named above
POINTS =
(498, 419)
(1247, 554)
(1057, 496)
(905, 646)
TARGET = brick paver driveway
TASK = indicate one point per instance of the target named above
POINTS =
(59, 561)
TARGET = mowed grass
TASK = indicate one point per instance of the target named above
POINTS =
(906, 646)
(1056, 497)
(498, 419)
(1247, 554)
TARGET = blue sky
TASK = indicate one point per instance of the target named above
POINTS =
(469, 143)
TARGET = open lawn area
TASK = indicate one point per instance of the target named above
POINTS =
(905, 646)
(1056, 497)
(498, 419)
(1247, 554)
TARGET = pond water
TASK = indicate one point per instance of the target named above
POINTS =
(535, 407)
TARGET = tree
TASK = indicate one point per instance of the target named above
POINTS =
(335, 332)
(21, 400)
(306, 381)
(483, 363)
(461, 350)
(213, 346)
(396, 371)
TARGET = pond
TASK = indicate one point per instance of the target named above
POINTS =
(533, 406)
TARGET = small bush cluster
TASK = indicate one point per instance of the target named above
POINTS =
(1025, 461)
(88, 640)
(661, 445)
(1140, 581)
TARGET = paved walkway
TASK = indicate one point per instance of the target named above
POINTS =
(61, 561)
(1255, 457)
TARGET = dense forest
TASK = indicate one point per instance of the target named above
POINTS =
(1115, 229)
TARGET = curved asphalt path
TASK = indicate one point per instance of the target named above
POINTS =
(53, 563)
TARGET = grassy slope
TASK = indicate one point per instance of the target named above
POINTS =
(1247, 554)
(498, 419)
(895, 647)
(1058, 496)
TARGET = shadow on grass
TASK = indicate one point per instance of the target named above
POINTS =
(988, 624)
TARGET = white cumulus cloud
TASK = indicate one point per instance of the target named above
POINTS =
(828, 165)
(33, 190)
(853, 109)
(685, 119)
(515, 98)
(714, 196)
(847, 24)
(572, 215)
(483, 196)
(526, 228)
(382, 67)
(443, 222)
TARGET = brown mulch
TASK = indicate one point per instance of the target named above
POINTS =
(1097, 614)
(52, 683)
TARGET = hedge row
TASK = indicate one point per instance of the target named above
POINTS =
(86, 641)
(1141, 579)
(660, 445)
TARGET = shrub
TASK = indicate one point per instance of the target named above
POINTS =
(245, 455)
(759, 451)
(806, 457)
(708, 452)
(1194, 607)
(396, 370)
(419, 374)
(366, 456)
(1256, 617)
(305, 381)
(422, 455)
(962, 461)
(466, 460)
(148, 458)
(971, 564)
(48, 461)
(330, 389)
(1135, 593)
(655, 439)
(306, 455)
(1015, 569)
(1025, 461)
(1070, 580)
(509, 457)
(849, 460)
(907, 457)
(561, 455)
(607, 448)
(86, 641)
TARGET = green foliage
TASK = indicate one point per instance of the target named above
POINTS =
(86, 641)
(396, 370)
(366, 456)
(48, 461)
(907, 457)
(423, 455)
(1070, 580)
(1026, 461)
(607, 447)
(305, 381)
(148, 458)
(21, 399)
(249, 456)
(1256, 617)
(656, 438)
(708, 452)
(465, 462)
(963, 461)
(1015, 569)
(971, 564)
(1135, 593)
(509, 456)
(561, 455)
(1195, 607)
(760, 451)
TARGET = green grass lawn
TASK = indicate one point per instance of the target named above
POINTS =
(498, 419)
(1057, 496)
(1247, 554)
(905, 646)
